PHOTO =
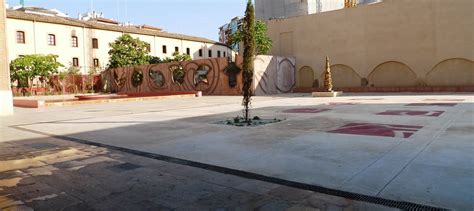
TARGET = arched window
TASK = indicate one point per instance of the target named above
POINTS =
(51, 39)
(95, 43)
(75, 62)
(74, 42)
(20, 37)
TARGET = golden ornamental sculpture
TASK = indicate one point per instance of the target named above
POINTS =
(350, 3)
(327, 77)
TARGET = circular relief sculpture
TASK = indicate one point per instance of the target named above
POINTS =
(201, 75)
(157, 77)
(177, 72)
(137, 78)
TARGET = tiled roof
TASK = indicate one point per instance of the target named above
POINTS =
(13, 14)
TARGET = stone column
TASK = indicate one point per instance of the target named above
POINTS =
(6, 100)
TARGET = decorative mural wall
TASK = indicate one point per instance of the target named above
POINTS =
(211, 76)
(274, 75)
(218, 76)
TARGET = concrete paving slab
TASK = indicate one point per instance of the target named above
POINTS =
(296, 149)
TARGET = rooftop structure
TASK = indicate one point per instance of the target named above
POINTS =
(270, 9)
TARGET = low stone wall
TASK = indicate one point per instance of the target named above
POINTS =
(394, 89)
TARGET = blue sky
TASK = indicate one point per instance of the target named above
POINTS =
(192, 17)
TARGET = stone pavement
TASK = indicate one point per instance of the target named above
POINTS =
(52, 174)
(414, 148)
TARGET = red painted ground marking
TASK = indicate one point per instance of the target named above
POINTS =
(368, 99)
(400, 131)
(412, 113)
(306, 110)
(433, 104)
(445, 100)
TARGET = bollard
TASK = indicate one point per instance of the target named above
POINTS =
(199, 94)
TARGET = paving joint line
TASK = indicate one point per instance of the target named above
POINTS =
(438, 133)
(248, 175)
(371, 164)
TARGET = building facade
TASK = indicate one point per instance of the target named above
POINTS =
(85, 43)
(228, 29)
(395, 43)
(271, 9)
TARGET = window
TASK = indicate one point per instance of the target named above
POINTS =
(224, 53)
(188, 51)
(96, 62)
(218, 53)
(51, 39)
(75, 62)
(200, 52)
(210, 53)
(176, 49)
(20, 37)
(95, 43)
(164, 49)
(74, 42)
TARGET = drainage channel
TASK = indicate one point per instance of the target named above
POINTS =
(249, 175)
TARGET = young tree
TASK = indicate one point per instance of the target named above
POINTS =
(128, 51)
(177, 57)
(24, 69)
(264, 43)
(249, 56)
(181, 57)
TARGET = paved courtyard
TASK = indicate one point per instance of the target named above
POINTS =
(366, 148)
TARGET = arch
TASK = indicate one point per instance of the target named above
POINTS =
(452, 72)
(343, 76)
(305, 77)
(392, 73)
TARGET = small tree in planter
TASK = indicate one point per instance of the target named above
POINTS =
(248, 37)
(90, 83)
(249, 57)
(67, 78)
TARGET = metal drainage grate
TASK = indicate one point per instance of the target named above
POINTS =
(126, 167)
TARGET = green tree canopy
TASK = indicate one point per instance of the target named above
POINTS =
(26, 68)
(177, 57)
(128, 51)
(264, 43)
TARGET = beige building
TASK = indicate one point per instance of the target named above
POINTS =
(389, 44)
(85, 43)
